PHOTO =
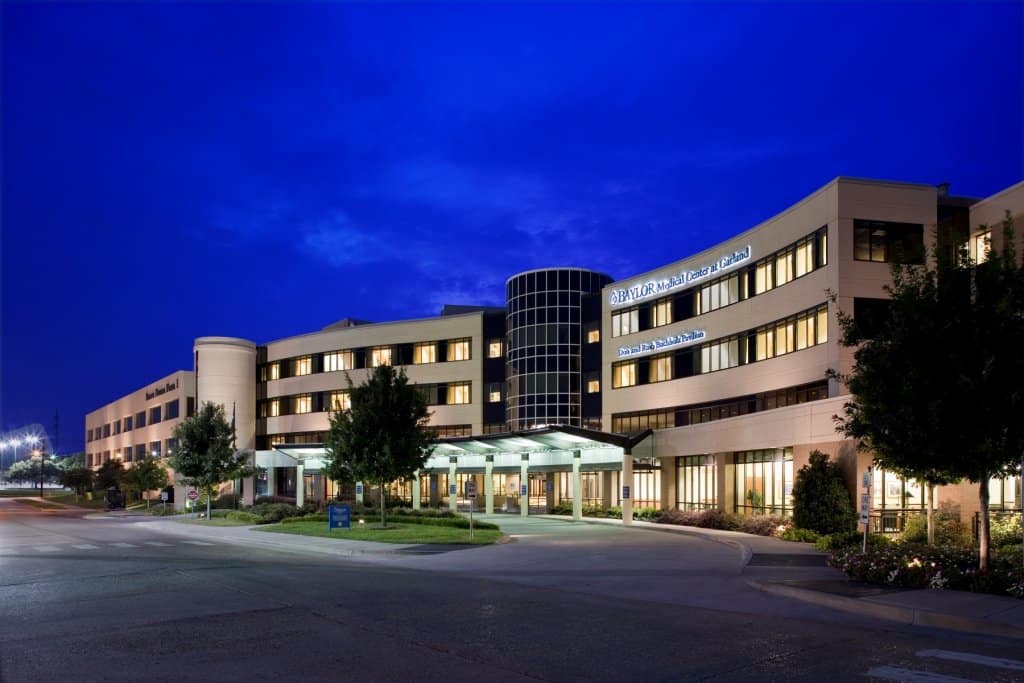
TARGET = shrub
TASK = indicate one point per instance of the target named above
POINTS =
(228, 501)
(949, 530)
(850, 539)
(265, 500)
(647, 514)
(799, 535)
(821, 501)
(242, 516)
(270, 513)
(1005, 530)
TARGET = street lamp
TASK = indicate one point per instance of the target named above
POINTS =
(39, 454)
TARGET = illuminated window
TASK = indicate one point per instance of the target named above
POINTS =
(721, 293)
(340, 400)
(623, 374)
(458, 393)
(763, 278)
(303, 404)
(982, 247)
(661, 368)
(274, 371)
(458, 349)
(338, 360)
(783, 267)
(661, 313)
(720, 355)
(380, 355)
(625, 322)
(593, 386)
(494, 392)
(274, 408)
(593, 335)
(495, 348)
(302, 366)
(425, 352)
(804, 257)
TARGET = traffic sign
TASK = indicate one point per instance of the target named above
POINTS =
(193, 495)
(471, 488)
(164, 495)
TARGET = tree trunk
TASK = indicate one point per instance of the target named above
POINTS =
(383, 521)
(209, 501)
(983, 527)
(930, 511)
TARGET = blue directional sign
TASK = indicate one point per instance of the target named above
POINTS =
(522, 490)
(339, 517)
(551, 486)
(625, 493)
(453, 489)
(359, 489)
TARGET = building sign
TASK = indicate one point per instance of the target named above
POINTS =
(663, 343)
(644, 290)
(158, 391)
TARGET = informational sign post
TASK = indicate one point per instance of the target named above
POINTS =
(471, 495)
(339, 517)
(865, 506)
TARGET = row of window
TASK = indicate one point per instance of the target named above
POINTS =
(783, 266)
(698, 413)
(794, 333)
(887, 242)
(419, 353)
(169, 411)
(307, 438)
(136, 453)
(450, 393)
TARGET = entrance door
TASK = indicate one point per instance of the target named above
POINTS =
(539, 493)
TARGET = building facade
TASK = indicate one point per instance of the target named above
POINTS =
(719, 360)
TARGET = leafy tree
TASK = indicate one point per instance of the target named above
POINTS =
(381, 438)
(109, 474)
(206, 455)
(821, 501)
(80, 479)
(27, 471)
(73, 461)
(936, 386)
(147, 474)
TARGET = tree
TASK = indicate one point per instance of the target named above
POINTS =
(146, 475)
(382, 437)
(27, 471)
(110, 474)
(206, 455)
(936, 385)
(78, 478)
(73, 461)
(821, 501)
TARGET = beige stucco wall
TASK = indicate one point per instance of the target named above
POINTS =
(226, 376)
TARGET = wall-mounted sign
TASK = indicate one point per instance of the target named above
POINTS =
(644, 290)
(158, 391)
(663, 343)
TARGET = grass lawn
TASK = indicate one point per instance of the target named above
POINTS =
(35, 502)
(20, 493)
(69, 499)
(395, 533)
(216, 521)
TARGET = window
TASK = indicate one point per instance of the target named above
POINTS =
(380, 355)
(154, 449)
(88, 434)
(458, 393)
(804, 256)
(697, 483)
(274, 371)
(495, 348)
(171, 446)
(154, 415)
(494, 392)
(721, 355)
(593, 386)
(458, 349)
(106, 430)
(720, 293)
(593, 335)
(302, 366)
(127, 423)
(623, 374)
(885, 242)
(340, 400)
(793, 334)
(625, 322)
(425, 352)
(661, 368)
(981, 247)
(338, 360)
(661, 313)
(171, 410)
(273, 407)
(764, 280)
(140, 452)
(764, 482)
(117, 426)
(303, 404)
(784, 267)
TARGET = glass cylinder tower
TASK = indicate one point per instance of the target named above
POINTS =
(545, 318)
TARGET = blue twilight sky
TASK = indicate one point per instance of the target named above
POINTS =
(174, 170)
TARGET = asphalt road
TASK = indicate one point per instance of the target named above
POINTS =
(127, 599)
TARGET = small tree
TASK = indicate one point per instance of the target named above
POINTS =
(78, 478)
(110, 474)
(27, 471)
(381, 438)
(821, 501)
(146, 475)
(206, 455)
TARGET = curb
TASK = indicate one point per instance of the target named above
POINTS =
(904, 615)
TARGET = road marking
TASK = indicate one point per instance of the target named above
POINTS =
(198, 543)
(124, 545)
(892, 673)
(158, 544)
(46, 548)
(998, 662)
(86, 546)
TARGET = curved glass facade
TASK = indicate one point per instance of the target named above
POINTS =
(544, 330)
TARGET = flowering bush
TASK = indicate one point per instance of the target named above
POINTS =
(910, 565)
(760, 525)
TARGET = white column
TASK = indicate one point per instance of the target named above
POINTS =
(524, 485)
(627, 482)
(489, 485)
(577, 487)
(453, 480)
(300, 484)
(416, 490)
(359, 492)
(271, 488)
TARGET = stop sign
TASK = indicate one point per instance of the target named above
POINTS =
(192, 495)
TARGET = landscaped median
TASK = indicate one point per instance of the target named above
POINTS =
(406, 526)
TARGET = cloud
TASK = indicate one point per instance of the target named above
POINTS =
(340, 243)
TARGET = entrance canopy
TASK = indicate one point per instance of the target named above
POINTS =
(541, 439)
